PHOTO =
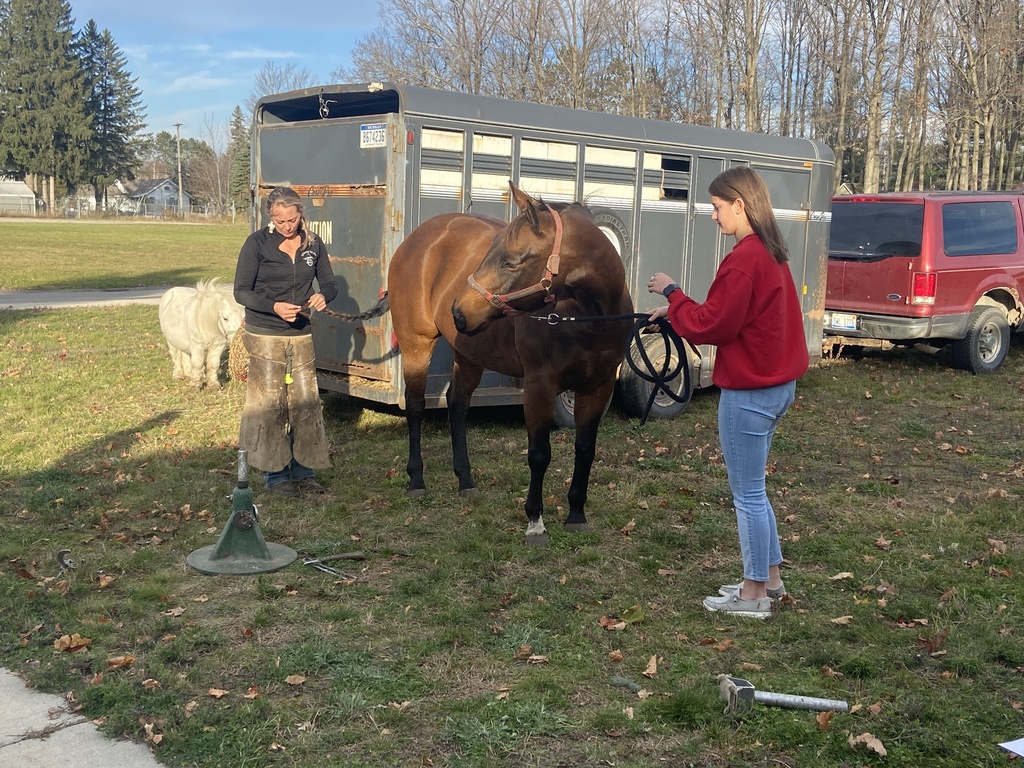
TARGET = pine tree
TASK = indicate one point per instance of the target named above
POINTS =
(114, 103)
(240, 155)
(44, 127)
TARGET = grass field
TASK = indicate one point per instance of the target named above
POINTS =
(124, 254)
(897, 482)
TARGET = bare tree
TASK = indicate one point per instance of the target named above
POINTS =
(277, 78)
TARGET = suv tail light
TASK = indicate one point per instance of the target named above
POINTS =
(924, 288)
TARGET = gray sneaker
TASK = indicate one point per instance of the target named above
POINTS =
(736, 605)
(775, 594)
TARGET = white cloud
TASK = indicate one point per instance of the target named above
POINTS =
(196, 82)
(260, 53)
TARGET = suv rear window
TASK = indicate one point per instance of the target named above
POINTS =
(866, 231)
(970, 229)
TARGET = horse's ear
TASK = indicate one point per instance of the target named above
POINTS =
(526, 204)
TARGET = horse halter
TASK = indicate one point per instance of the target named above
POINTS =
(500, 300)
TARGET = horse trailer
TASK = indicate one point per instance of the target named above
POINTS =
(376, 160)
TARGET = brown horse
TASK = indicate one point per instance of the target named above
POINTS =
(473, 279)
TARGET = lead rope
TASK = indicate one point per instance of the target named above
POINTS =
(671, 366)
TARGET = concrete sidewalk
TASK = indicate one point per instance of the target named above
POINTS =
(38, 731)
(95, 297)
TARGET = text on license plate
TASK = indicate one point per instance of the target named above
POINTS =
(844, 321)
(372, 135)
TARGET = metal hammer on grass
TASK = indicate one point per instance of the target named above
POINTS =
(739, 695)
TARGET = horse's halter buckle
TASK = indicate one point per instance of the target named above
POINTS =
(500, 300)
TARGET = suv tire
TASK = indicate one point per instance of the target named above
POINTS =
(984, 348)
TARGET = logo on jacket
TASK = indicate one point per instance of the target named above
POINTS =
(309, 257)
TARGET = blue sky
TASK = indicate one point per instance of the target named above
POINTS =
(195, 60)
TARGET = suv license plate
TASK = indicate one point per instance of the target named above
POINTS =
(844, 322)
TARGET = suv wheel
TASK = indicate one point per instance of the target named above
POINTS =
(984, 347)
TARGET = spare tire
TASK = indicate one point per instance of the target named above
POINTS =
(635, 392)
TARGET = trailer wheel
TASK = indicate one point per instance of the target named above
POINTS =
(635, 392)
(611, 224)
(984, 348)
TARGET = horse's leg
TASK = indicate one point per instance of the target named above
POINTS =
(197, 356)
(212, 362)
(178, 362)
(465, 379)
(415, 363)
(538, 407)
(589, 409)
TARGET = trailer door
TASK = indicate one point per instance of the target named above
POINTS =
(344, 169)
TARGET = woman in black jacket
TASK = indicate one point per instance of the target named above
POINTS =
(282, 420)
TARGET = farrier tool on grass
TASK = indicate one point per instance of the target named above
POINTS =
(241, 548)
(739, 695)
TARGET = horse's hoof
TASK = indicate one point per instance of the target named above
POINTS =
(537, 539)
(416, 493)
(474, 491)
(578, 527)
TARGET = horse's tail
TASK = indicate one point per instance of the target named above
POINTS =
(378, 309)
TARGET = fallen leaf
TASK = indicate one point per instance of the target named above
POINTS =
(868, 741)
(652, 667)
(217, 693)
(252, 693)
(611, 623)
(883, 543)
(295, 679)
(824, 718)
(120, 662)
(150, 683)
(841, 576)
(724, 646)
(615, 657)
(842, 620)
(634, 614)
(71, 643)
(827, 671)
(105, 581)
(537, 660)
(628, 528)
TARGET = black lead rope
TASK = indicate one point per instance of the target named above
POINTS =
(671, 365)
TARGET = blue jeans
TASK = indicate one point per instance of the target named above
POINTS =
(292, 473)
(746, 425)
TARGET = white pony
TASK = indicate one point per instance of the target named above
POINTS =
(198, 323)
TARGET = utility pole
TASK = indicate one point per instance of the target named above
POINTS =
(181, 192)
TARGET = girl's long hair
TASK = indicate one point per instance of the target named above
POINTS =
(288, 197)
(741, 183)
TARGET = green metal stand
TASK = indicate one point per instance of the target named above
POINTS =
(241, 548)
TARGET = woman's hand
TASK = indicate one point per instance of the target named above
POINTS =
(287, 312)
(317, 302)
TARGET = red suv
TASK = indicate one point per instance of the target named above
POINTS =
(932, 268)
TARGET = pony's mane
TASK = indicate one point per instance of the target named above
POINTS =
(208, 300)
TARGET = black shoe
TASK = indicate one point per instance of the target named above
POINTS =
(283, 489)
(309, 485)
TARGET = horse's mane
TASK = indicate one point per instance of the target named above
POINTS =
(208, 300)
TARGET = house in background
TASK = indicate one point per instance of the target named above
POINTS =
(156, 197)
(141, 197)
(16, 197)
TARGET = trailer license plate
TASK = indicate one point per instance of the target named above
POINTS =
(372, 135)
(844, 322)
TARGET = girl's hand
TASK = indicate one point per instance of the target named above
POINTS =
(658, 313)
(659, 282)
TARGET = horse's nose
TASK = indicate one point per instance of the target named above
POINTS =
(460, 319)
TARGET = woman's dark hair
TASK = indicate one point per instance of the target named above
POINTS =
(741, 183)
(288, 197)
